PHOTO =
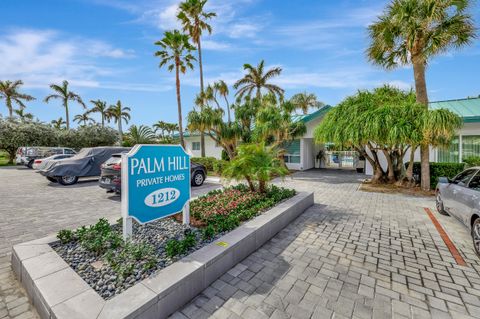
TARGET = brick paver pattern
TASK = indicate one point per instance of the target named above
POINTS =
(33, 208)
(352, 255)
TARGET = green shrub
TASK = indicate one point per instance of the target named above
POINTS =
(208, 162)
(99, 238)
(219, 165)
(175, 247)
(225, 156)
(437, 170)
(65, 236)
(123, 260)
(208, 232)
(471, 161)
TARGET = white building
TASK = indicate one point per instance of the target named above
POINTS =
(303, 153)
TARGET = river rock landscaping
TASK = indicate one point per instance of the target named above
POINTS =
(110, 265)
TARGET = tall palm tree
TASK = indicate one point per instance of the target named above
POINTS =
(63, 93)
(119, 114)
(24, 117)
(222, 89)
(412, 32)
(9, 92)
(304, 101)
(257, 79)
(100, 107)
(85, 118)
(58, 123)
(194, 21)
(176, 55)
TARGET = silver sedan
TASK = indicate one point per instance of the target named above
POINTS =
(460, 197)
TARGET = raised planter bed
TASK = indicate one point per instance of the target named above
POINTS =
(57, 291)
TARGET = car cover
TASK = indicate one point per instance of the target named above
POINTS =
(85, 163)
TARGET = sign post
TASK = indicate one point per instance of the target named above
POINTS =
(155, 184)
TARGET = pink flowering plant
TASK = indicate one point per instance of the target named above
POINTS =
(223, 210)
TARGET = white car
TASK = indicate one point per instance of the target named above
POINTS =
(41, 163)
(27, 155)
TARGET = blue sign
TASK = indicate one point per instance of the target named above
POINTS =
(155, 182)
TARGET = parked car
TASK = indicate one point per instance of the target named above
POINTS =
(111, 177)
(84, 164)
(41, 163)
(460, 197)
(27, 155)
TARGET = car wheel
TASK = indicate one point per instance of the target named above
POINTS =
(67, 180)
(198, 179)
(439, 204)
(52, 179)
(30, 164)
(476, 235)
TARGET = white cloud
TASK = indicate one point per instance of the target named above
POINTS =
(215, 45)
(41, 57)
(243, 30)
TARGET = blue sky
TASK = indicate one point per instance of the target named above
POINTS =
(104, 48)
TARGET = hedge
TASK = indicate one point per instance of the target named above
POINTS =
(211, 163)
(437, 170)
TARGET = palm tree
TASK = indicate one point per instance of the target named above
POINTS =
(256, 79)
(58, 123)
(160, 126)
(176, 55)
(140, 135)
(24, 117)
(63, 93)
(9, 92)
(412, 32)
(194, 22)
(222, 89)
(119, 113)
(304, 101)
(102, 108)
(85, 118)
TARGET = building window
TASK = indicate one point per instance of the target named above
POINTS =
(292, 152)
(470, 146)
(450, 154)
(195, 146)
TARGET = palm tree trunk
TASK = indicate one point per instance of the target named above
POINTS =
(9, 107)
(200, 65)
(179, 102)
(409, 172)
(67, 116)
(422, 98)
(103, 120)
(228, 108)
(120, 133)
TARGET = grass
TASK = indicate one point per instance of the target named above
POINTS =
(4, 159)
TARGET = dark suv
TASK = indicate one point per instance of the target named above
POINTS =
(111, 175)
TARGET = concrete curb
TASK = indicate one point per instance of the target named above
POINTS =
(58, 292)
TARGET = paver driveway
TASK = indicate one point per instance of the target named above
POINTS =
(31, 208)
(352, 255)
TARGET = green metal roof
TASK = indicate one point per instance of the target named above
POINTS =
(309, 117)
(468, 109)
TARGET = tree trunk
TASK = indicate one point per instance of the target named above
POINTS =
(120, 130)
(103, 120)
(422, 98)
(200, 65)
(10, 107)
(67, 116)
(228, 108)
(179, 101)
(390, 168)
(409, 172)
(250, 183)
(11, 156)
(261, 186)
